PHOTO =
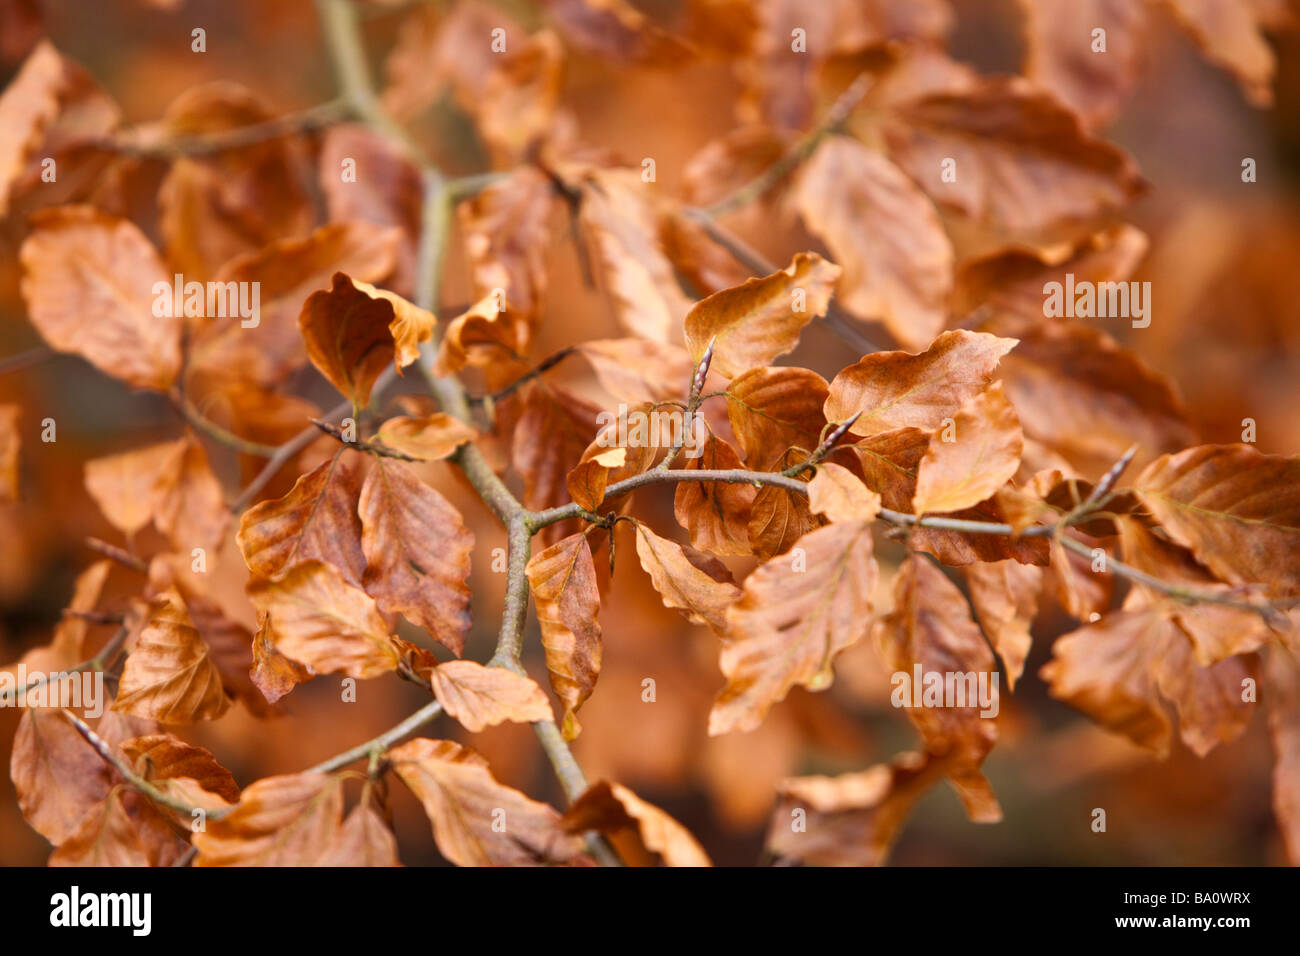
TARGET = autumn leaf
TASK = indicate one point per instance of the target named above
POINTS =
(88, 280)
(169, 675)
(930, 630)
(611, 808)
(272, 673)
(163, 758)
(232, 202)
(1123, 669)
(715, 513)
(321, 620)
(624, 235)
(1236, 509)
(506, 230)
(387, 195)
(28, 105)
(1083, 396)
(852, 819)
(1024, 164)
(1004, 595)
(840, 495)
(752, 324)
(417, 552)
(170, 484)
(123, 830)
(1062, 55)
(792, 618)
(772, 409)
(290, 820)
(884, 233)
(891, 390)
(428, 438)
(57, 777)
(563, 579)
(689, 581)
(476, 820)
(363, 840)
(480, 697)
(982, 453)
(354, 330)
(285, 272)
(316, 520)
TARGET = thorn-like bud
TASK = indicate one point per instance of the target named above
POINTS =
(702, 371)
(1109, 479)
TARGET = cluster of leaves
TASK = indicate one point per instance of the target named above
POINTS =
(993, 443)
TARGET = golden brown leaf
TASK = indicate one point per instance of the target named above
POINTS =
(752, 324)
(28, 105)
(385, 191)
(58, 779)
(1061, 55)
(777, 520)
(1236, 509)
(839, 495)
(1230, 35)
(169, 674)
(984, 455)
(480, 697)
(1005, 597)
(930, 631)
(1122, 669)
(428, 438)
(417, 552)
(901, 390)
(272, 673)
(852, 819)
(794, 615)
(506, 236)
(290, 820)
(884, 233)
(88, 280)
(1024, 164)
(476, 820)
(123, 830)
(1083, 396)
(354, 330)
(316, 520)
(716, 513)
(773, 409)
(693, 583)
(563, 579)
(321, 620)
(163, 758)
(363, 840)
(231, 202)
(611, 807)
(617, 215)
(285, 272)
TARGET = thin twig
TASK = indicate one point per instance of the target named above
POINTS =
(14, 363)
(102, 748)
(120, 555)
(143, 142)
